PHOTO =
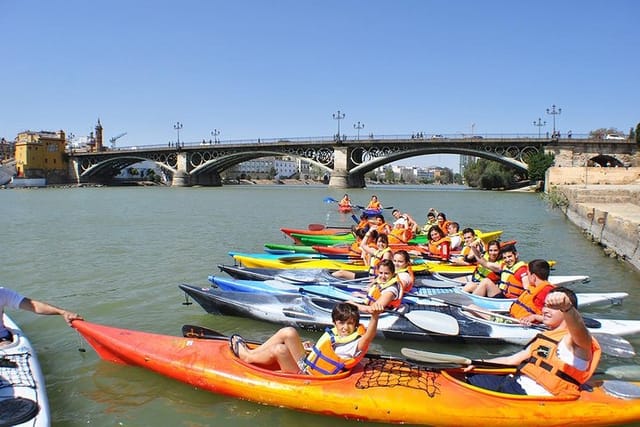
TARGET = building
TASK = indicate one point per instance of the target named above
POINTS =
(42, 155)
(6, 149)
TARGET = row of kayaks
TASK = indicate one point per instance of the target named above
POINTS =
(298, 289)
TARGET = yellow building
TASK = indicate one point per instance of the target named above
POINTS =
(41, 155)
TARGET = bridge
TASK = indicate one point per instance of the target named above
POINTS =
(347, 160)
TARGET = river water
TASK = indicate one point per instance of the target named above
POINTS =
(116, 255)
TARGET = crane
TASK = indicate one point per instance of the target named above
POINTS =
(115, 138)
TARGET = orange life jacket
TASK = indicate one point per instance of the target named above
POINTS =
(323, 360)
(526, 304)
(400, 235)
(374, 205)
(441, 248)
(406, 287)
(375, 291)
(510, 286)
(548, 370)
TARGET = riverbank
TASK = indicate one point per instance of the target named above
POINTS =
(607, 211)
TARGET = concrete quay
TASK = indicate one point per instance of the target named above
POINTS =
(606, 207)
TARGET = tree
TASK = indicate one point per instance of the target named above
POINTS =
(638, 133)
(602, 132)
(489, 175)
(389, 176)
(538, 163)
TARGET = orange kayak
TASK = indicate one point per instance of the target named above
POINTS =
(380, 389)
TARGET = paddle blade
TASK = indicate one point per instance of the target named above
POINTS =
(434, 321)
(330, 200)
(430, 357)
(614, 345)
(316, 227)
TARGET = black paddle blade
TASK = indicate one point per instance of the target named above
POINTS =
(193, 331)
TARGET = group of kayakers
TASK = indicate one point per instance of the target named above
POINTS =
(555, 362)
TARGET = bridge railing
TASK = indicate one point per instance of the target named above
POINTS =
(364, 138)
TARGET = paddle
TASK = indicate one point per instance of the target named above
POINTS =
(318, 227)
(612, 345)
(431, 321)
(430, 357)
(330, 200)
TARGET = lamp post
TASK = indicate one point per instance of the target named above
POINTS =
(554, 113)
(539, 123)
(215, 134)
(338, 116)
(70, 138)
(358, 126)
(177, 127)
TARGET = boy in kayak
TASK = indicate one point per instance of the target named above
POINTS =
(12, 299)
(556, 362)
(339, 348)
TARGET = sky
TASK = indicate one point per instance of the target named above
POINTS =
(278, 69)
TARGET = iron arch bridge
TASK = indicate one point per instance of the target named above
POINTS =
(346, 160)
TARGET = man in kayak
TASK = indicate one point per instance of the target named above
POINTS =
(528, 307)
(12, 299)
(339, 348)
(556, 362)
(374, 204)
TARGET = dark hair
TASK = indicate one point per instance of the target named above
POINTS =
(443, 215)
(383, 237)
(435, 227)
(431, 214)
(540, 268)
(469, 230)
(404, 254)
(344, 311)
(568, 292)
(387, 263)
(394, 211)
(360, 232)
(508, 248)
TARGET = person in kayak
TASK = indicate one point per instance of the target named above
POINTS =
(402, 263)
(12, 299)
(372, 256)
(439, 244)
(431, 220)
(339, 349)
(528, 307)
(374, 204)
(513, 274)
(556, 362)
(345, 202)
(385, 290)
(481, 272)
(466, 256)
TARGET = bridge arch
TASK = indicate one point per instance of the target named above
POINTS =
(110, 167)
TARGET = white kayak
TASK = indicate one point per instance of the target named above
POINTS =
(23, 396)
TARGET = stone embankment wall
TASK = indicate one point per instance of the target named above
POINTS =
(606, 207)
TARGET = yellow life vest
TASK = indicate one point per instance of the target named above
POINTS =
(323, 360)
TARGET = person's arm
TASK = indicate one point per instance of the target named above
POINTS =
(367, 338)
(579, 336)
(493, 266)
(364, 245)
(40, 307)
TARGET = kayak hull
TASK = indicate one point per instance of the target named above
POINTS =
(23, 395)
(380, 389)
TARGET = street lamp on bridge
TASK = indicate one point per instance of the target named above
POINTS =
(338, 116)
(177, 127)
(358, 126)
(215, 134)
(539, 123)
(554, 113)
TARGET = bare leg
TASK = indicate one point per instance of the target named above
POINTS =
(284, 347)
(343, 274)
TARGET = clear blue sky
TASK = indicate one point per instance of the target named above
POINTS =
(281, 68)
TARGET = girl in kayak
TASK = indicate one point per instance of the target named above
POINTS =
(402, 263)
(386, 290)
(339, 348)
